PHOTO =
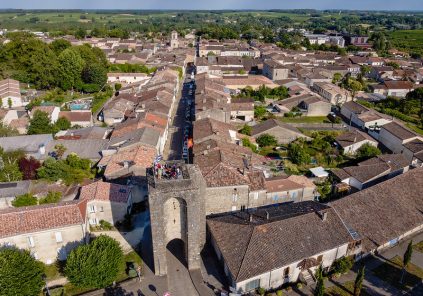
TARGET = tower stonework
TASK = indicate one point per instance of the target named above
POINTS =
(177, 211)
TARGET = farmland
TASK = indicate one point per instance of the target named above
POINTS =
(409, 40)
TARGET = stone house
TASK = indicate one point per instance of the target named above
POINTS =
(31, 145)
(242, 109)
(398, 204)
(127, 78)
(106, 201)
(331, 92)
(265, 256)
(52, 111)
(309, 105)
(10, 93)
(372, 171)
(413, 151)
(289, 189)
(128, 161)
(351, 141)
(394, 135)
(283, 132)
(49, 231)
(363, 117)
(275, 71)
(78, 118)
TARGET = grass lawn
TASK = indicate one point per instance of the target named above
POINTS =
(52, 271)
(415, 128)
(305, 119)
(345, 289)
(418, 247)
(128, 258)
(390, 272)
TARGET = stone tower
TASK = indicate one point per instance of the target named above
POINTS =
(177, 211)
(174, 43)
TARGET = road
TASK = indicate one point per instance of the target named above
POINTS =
(174, 142)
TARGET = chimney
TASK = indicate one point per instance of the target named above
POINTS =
(205, 152)
(42, 149)
(125, 164)
(324, 216)
(267, 215)
(251, 218)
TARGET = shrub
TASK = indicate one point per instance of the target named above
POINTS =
(24, 200)
(299, 285)
(266, 140)
(105, 225)
(342, 265)
(246, 130)
(261, 291)
(51, 197)
(279, 293)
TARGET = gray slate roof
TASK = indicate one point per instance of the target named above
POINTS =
(293, 232)
(28, 143)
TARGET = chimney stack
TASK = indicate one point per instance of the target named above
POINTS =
(267, 215)
(251, 218)
(324, 216)
(42, 149)
(126, 164)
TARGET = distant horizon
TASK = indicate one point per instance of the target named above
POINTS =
(204, 10)
(216, 5)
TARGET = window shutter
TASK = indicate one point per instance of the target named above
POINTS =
(58, 237)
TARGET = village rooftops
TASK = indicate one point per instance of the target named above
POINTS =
(399, 131)
(384, 211)
(104, 191)
(272, 237)
(31, 219)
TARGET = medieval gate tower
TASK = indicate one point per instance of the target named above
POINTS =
(177, 211)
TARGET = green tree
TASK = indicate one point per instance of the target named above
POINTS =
(367, 151)
(95, 265)
(118, 86)
(297, 154)
(51, 197)
(336, 78)
(59, 45)
(9, 165)
(6, 131)
(259, 111)
(24, 200)
(320, 283)
(406, 259)
(20, 273)
(95, 73)
(60, 150)
(62, 124)
(9, 102)
(265, 140)
(358, 284)
(70, 69)
(246, 130)
(354, 86)
(40, 124)
(80, 33)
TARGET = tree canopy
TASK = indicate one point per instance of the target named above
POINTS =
(266, 140)
(95, 265)
(20, 273)
(367, 151)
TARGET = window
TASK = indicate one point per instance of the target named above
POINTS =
(252, 285)
(256, 195)
(58, 237)
(320, 258)
(93, 221)
(235, 195)
(31, 242)
(286, 272)
(101, 209)
(243, 208)
(91, 209)
(294, 195)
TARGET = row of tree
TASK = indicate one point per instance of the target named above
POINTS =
(58, 64)
(91, 266)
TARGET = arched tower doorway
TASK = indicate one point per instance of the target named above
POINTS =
(177, 213)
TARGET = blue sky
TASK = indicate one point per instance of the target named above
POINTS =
(215, 4)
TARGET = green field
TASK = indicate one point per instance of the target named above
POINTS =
(410, 40)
